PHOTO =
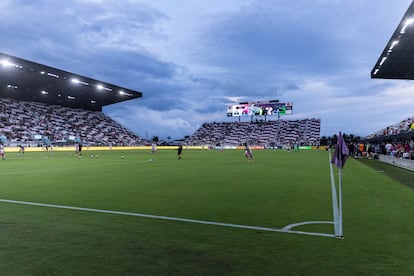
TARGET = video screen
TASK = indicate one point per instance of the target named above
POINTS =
(259, 109)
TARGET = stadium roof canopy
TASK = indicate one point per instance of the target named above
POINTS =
(24, 80)
(397, 59)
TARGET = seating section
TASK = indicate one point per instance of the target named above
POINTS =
(267, 134)
(33, 123)
(404, 126)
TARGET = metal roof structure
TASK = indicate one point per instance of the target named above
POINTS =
(397, 59)
(25, 80)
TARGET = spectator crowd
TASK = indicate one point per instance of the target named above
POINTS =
(34, 124)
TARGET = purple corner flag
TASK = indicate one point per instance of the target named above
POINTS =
(341, 152)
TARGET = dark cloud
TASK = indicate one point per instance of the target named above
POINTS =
(124, 65)
(258, 45)
(166, 103)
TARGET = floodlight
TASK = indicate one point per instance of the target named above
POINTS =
(395, 42)
(409, 21)
(121, 92)
(52, 75)
(75, 80)
(101, 87)
(382, 61)
(6, 63)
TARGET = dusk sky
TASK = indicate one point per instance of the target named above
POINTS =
(192, 58)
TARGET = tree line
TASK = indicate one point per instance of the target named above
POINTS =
(332, 140)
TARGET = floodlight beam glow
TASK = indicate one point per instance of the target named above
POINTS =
(7, 63)
(406, 24)
(382, 61)
(101, 87)
(121, 92)
(52, 75)
(75, 80)
(409, 21)
(395, 42)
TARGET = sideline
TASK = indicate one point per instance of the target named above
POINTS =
(285, 229)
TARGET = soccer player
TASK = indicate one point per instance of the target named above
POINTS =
(248, 152)
(179, 151)
(79, 150)
(153, 147)
(2, 152)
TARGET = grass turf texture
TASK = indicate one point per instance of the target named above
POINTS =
(401, 175)
(277, 189)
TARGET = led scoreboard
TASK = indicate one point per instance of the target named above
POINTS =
(259, 108)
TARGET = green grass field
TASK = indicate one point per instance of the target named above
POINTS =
(277, 189)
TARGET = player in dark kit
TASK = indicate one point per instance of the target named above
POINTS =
(179, 151)
(79, 150)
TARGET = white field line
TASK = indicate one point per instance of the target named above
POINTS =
(283, 230)
(290, 226)
(335, 207)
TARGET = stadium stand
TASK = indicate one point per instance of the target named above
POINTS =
(393, 144)
(43, 105)
(34, 124)
(402, 129)
(266, 134)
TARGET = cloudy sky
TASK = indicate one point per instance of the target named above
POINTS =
(191, 58)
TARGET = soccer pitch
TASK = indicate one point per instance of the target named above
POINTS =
(105, 236)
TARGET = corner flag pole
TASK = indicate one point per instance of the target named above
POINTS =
(340, 233)
(339, 159)
(334, 200)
